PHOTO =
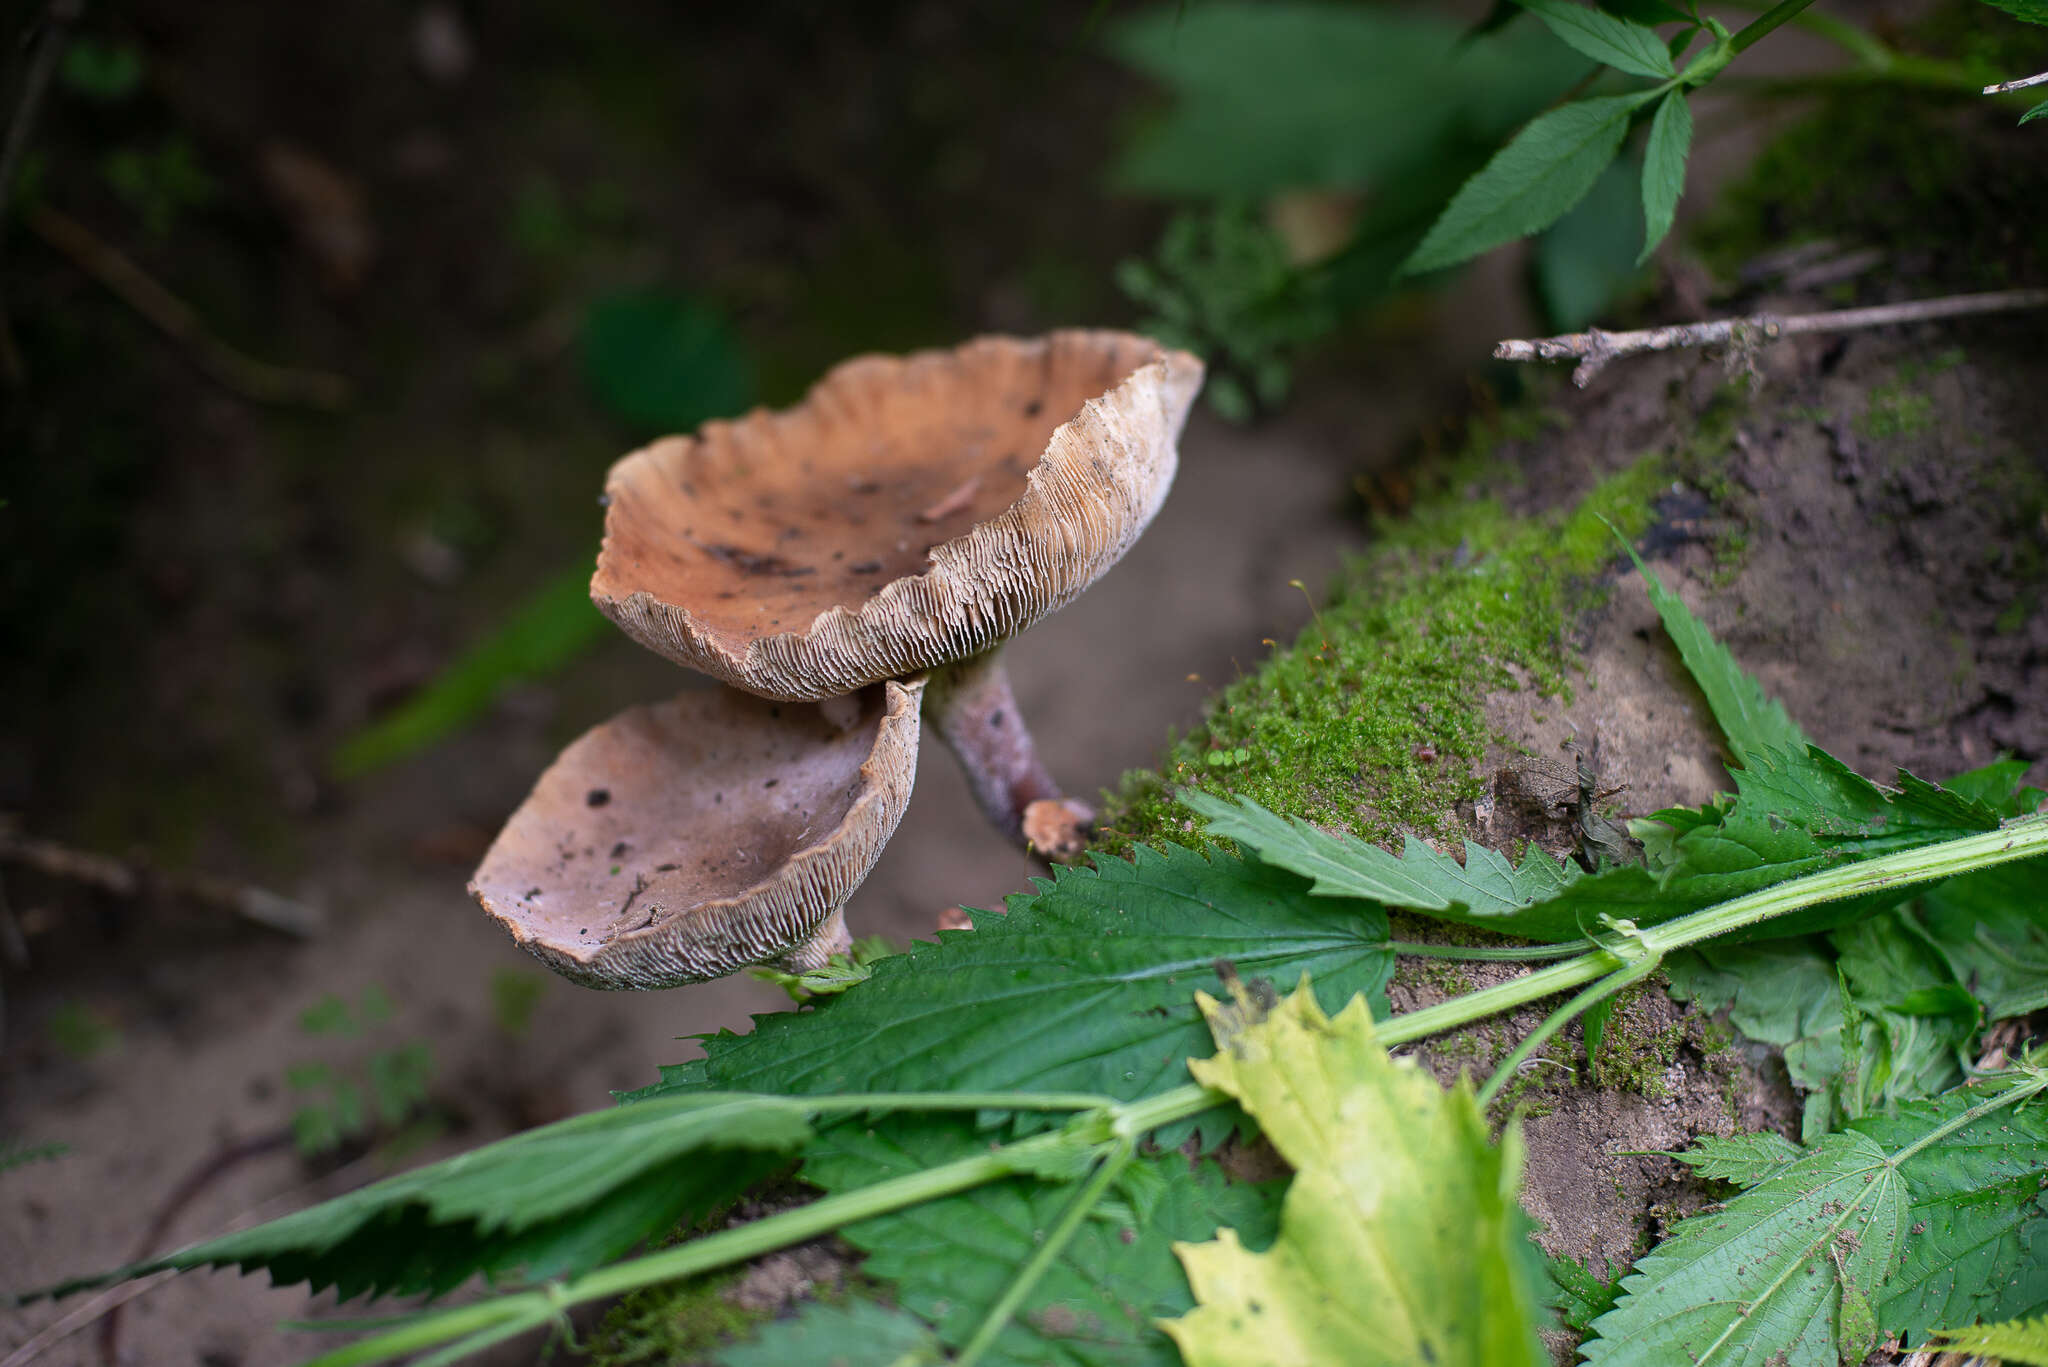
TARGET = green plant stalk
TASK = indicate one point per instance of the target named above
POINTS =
(1482, 953)
(1766, 23)
(1055, 1242)
(2022, 839)
(1879, 62)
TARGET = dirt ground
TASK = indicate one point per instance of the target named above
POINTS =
(224, 589)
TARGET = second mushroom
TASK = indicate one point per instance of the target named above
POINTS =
(893, 530)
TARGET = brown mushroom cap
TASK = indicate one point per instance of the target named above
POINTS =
(911, 511)
(686, 839)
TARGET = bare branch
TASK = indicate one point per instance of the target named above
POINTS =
(2021, 84)
(256, 380)
(1593, 348)
(134, 878)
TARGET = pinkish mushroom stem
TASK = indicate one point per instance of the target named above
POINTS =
(970, 704)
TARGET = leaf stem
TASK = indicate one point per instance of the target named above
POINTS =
(2011, 1096)
(2022, 839)
(1055, 1242)
(1482, 953)
(1556, 1020)
(960, 1101)
(1767, 22)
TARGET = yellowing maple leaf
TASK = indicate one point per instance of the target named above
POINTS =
(1399, 1239)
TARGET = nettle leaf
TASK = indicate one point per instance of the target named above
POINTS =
(1087, 985)
(1623, 45)
(1398, 1198)
(1750, 719)
(1664, 157)
(1487, 884)
(2038, 111)
(1747, 1160)
(1792, 815)
(1767, 1274)
(2032, 11)
(949, 1260)
(2013, 1341)
(1579, 1295)
(1992, 929)
(1530, 183)
(553, 1201)
(856, 1334)
(1977, 1217)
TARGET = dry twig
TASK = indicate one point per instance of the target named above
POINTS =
(132, 878)
(2021, 84)
(256, 380)
(1593, 349)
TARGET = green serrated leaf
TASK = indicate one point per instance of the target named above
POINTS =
(856, 1334)
(1623, 45)
(1487, 883)
(1398, 1196)
(2010, 1341)
(562, 1198)
(2038, 111)
(1750, 719)
(1747, 1160)
(949, 1260)
(1992, 928)
(2031, 11)
(1530, 183)
(1792, 814)
(1579, 1295)
(1977, 1216)
(1664, 157)
(1766, 1274)
(1087, 985)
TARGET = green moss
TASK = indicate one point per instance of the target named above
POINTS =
(1634, 1055)
(1373, 720)
(673, 1323)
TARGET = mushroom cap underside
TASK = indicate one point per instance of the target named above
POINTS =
(684, 840)
(910, 512)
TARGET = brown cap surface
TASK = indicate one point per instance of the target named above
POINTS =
(911, 511)
(686, 839)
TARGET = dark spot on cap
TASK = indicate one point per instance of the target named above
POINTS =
(532, 893)
(865, 567)
(995, 718)
(618, 849)
(1034, 408)
(718, 797)
(771, 783)
(597, 797)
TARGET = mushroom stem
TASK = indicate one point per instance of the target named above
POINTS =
(970, 704)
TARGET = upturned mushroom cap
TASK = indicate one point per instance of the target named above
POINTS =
(910, 512)
(683, 840)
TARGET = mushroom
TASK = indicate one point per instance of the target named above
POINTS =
(911, 514)
(845, 562)
(682, 840)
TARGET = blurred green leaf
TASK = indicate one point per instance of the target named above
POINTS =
(1271, 97)
(554, 626)
(662, 362)
(1588, 258)
(104, 71)
(1664, 169)
(1530, 183)
(1619, 43)
(2036, 112)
